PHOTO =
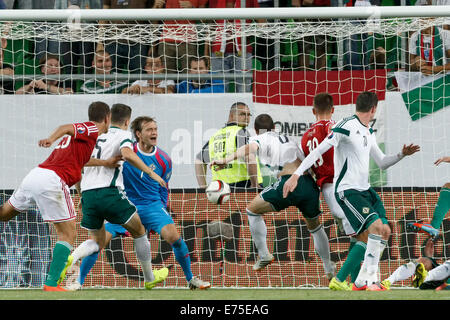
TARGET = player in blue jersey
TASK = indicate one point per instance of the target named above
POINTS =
(150, 200)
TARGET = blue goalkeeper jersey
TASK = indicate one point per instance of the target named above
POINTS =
(139, 187)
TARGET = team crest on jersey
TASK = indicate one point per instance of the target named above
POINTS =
(152, 166)
(81, 129)
(366, 210)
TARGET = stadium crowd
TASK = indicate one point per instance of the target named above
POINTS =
(42, 56)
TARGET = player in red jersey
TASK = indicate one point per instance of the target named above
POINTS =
(324, 167)
(48, 185)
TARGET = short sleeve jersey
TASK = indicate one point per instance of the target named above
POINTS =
(108, 145)
(72, 153)
(352, 143)
(323, 168)
(275, 150)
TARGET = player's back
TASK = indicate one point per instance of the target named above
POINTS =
(108, 145)
(276, 150)
(72, 153)
(323, 168)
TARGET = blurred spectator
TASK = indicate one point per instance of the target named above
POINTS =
(153, 65)
(175, 52)
(227, 55)
(76, 53)
(377, 59)
(128, 56)
(429, 50)
(315, 43)
(102, 65)
(49, 65)
(6, 86)
(200, 66)
(357, 53)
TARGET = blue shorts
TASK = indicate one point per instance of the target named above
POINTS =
(154, 217)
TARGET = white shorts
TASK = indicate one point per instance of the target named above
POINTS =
(44, 188)
(335, 208)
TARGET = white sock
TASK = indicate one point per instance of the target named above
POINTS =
(258, 229)
(403, 272)
(439, 273)
(369, 269)
(322, 246)
(143, 254)
(85, 249)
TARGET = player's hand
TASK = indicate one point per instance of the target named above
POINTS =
(219, 163)
(440, 160)
(45, 143)
(113, 162)
(161, 182)
(411, 149)
(290, 185)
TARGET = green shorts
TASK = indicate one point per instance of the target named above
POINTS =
(305, 196)
(361, 208)
(110, 204)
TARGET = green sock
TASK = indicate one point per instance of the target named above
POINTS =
(61, 252)
(442, 207)
(354, 258)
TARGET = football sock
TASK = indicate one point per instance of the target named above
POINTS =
(442, 207)
(321, 245)
(181, 252)
(369, 269)
(143, 254)
(85, 249)
(403, 272)
(354, 258)
(439, 273)
(86, 265)
(61, 252)
(258, 229)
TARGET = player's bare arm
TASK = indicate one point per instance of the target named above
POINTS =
(65, 129)
(241, 153)
(130, 156)
(112, 162)
(307, 163)
(443, 159)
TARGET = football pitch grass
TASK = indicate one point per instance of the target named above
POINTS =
(223, 294)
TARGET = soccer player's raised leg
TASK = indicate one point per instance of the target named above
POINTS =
(258, 230)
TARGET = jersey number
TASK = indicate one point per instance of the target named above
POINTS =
(312, 144)
(99, 148)
(64, 143)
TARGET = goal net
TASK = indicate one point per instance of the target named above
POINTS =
(276, 66)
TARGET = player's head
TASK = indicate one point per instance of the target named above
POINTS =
(100, 113)
(239, 114)
(145, 130)
(366, 102)
(264, 123)
(120, 114)
(323, 105)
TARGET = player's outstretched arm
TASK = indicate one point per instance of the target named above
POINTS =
(65, 129)
(135, 161)
(241, 153)
(443, 159)
(385, 161)
(307, 163)
(112, 162)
